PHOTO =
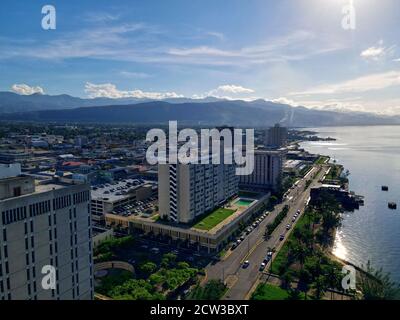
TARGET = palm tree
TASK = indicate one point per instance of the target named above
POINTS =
(320, 287)
(333, 278)
(376, 285)
(294, 294)
(286, 280)
(301, 253)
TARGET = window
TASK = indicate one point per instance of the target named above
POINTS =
(17, 191)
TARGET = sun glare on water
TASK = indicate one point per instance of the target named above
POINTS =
(339, 250)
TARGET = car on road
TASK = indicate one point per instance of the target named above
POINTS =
(282, 236)
(262, 266)
(267, 259)
(155, 250)
(246, 264)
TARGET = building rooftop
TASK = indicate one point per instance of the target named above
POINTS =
(49, 187)
(118, 190)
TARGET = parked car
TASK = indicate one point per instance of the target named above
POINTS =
(262, 266)
(282, 236)
(288, 227)
(155, 250)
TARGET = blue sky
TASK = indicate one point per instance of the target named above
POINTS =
(290, 51)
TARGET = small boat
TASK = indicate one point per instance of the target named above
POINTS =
(392, 205)
(385, 188)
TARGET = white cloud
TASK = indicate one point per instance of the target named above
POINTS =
(108, 90)
(397, 60)
(24, 89)
(217, 35)
(101, 17)
(284, 100)
(370, 82)
(373, 53)
(389, 106)
(230, 88)
(135, 75)
(143, 43)
(378, 52)
(229, 92)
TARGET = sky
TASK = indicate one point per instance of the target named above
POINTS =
(297, 52)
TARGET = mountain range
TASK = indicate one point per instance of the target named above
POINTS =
(209, 111)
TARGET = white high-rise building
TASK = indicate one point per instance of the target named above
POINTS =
(267, 172)
(45, 228)
(186, 191)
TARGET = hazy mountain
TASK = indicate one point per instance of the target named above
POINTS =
(240, 113)
(11, 102)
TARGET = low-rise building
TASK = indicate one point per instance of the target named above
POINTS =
(116, 196)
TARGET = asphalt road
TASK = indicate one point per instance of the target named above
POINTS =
(254, 248)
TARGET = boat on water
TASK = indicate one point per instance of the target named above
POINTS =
(392, 205)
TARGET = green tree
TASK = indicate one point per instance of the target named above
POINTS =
(213, 290)
(286, 280)
(320, 286)
(294, 294)
(168, 260)
(148, 267)
(376, 285)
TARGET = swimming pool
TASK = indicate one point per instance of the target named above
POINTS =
(244, 202)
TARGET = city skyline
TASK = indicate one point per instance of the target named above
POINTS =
(298, 54)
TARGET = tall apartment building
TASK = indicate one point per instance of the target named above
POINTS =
(41, 226)
(186, 191)
(267, 173)
(276, 137)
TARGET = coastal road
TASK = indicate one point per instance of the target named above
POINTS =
(247, 278)
(254, 247)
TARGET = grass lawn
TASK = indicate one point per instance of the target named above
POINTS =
(322, 160)
(214, 219)
(267, 291)
(282, 254)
